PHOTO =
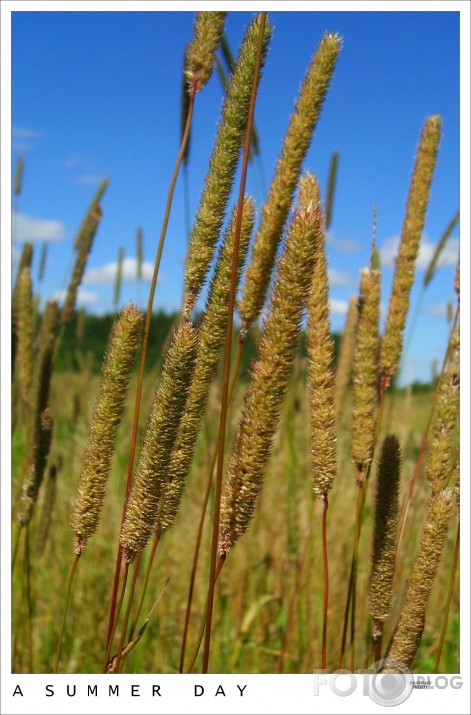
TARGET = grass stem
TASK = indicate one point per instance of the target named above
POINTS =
(228, 345)
(70, 580)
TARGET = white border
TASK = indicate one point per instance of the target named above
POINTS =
(264, 693)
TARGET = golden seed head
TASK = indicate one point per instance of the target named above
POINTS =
(83, 246)
(408, 632)
(162, 427)
(445, 418)
(24, 321)
(107, 414)
(345, 358)
(212, 332)
(457, 278)
(270, 371)
(200, 55)
(222, 166)
(385, 529)
(321, 373)
(417, 200)
(280, 196)
(365, 372)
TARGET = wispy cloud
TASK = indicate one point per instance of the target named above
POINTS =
(439, 310)
(90, 179)
(24, 132)
(340, 278)
(28, 228)
(106, 274)
(338, 307)
(427, 249)
(71, 161)
(22, 138)
(84, 297)
(345, 244)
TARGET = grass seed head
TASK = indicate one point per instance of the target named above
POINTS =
(320, 370)
(162, 427)
(222, 166)
(36, 466)
(445, 418)
(24, 321)
(200, 55)
(212, 332)
(385, 532)
(270, 371)
(345, 359)
(295, 146)
(417, 200)
(107, 414)
(365, 372)
(408, 632)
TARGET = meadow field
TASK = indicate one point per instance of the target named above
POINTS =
(191, 513)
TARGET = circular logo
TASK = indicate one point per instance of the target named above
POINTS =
(390, 689)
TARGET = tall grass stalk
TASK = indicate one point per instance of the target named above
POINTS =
(144, 343)
(261, 50)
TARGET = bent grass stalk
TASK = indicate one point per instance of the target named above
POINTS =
(145, 338)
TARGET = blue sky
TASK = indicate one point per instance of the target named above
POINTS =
(97, 94)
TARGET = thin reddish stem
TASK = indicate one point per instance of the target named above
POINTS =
(326, 582)
(113, 615)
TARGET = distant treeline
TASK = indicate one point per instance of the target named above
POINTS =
(86, 337)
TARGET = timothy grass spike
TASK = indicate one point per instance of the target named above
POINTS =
(119, 276)
(320, 370)
(334, 160)
(84, 243)
(345, 358)
(385, 533)
(208, 29)
(417, 200)
(139, 253)
(295, 146)
(222, 166)
(36, 466)
(408, 632)
(445, 418)
(24, 320)
(107, 414)
(211, 340)
(439, 249)
(162, 426)
(270, 371)
(365, 372)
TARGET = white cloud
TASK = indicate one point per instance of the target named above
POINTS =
(71, 161)
(24, 133)
(27, 228)
(339, 278)
(106, 275)
(23, 138)
(84, 297)
(439, 310)
(347, 245)
(448, 255)
(90, 179)
(338, 307)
